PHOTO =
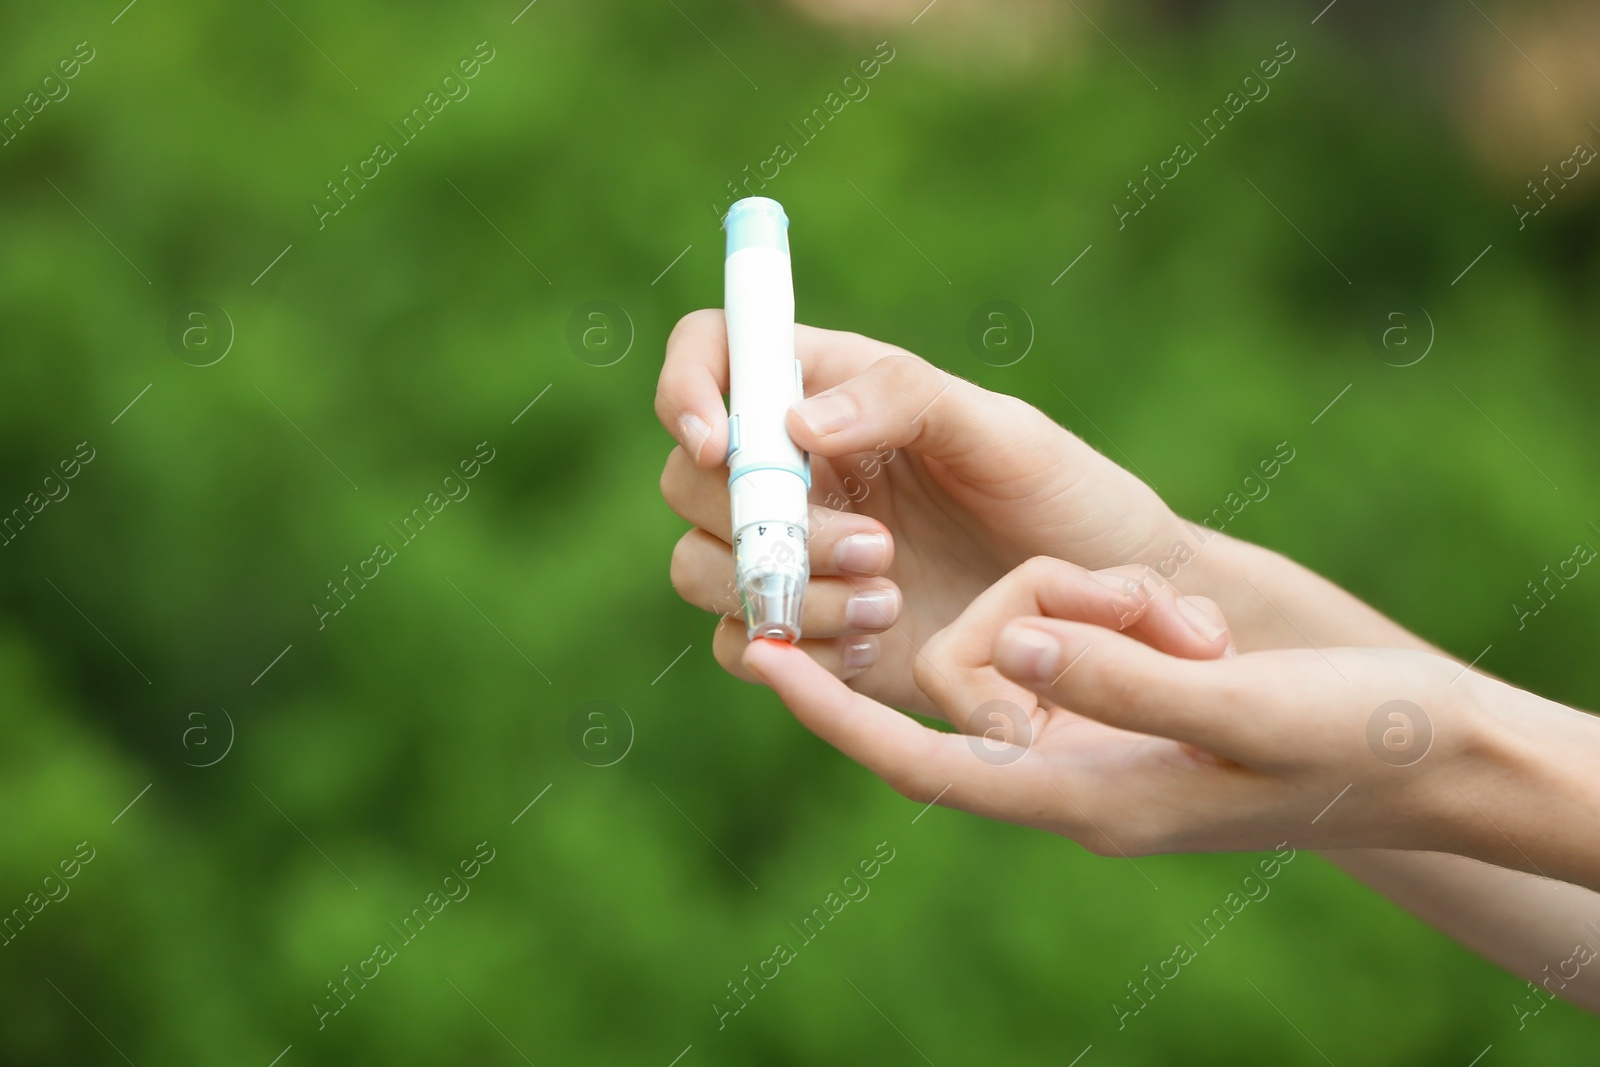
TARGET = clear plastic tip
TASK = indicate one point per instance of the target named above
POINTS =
(772, 603)
(771, 570)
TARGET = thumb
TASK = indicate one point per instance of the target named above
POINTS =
(903, 401)
(1110, 677)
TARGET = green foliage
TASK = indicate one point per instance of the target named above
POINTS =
(426, 315)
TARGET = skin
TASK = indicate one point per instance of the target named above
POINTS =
(958, 579)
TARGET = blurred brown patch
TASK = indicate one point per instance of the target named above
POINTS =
(977, 36)
(1524, 102)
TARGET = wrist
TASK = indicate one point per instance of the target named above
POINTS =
(1270, 601)
(1200, 560)
(1184, 554)
(1521, 792)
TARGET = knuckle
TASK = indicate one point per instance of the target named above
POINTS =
(697, 328)
(670, 477)
(1014, 409)
(903, 371)
(684, 570)
(1013, 412)
(677, 474)
(695, 324)
(927, 680)
(936, 647)
(666, 411)
(913, 785)
(914, 773)
(923, 672)
(1037, 569)
(727, 645)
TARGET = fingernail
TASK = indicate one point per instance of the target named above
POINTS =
(872, 609)
(827, 413)
(1023, 652)
(859, 654)
(1202, 618)
(864, 553)
(692, 433)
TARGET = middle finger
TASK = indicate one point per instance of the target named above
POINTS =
(702, 573)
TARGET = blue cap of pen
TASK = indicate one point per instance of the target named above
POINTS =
(757, 222)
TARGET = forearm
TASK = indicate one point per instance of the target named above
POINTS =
(1518, 821)
(1524, 814)
(1527, 797)
(1531, 926)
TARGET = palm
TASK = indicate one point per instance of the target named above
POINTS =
(955, 537)
(1067, 744)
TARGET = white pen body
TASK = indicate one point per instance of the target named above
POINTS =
(768, 475)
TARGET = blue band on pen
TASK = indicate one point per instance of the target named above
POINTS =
(803, 473)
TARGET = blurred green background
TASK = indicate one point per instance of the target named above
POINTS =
(143, 611)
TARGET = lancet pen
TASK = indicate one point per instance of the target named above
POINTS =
(768, 475)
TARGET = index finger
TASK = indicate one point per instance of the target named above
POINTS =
(694, 376)
(919, 763)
